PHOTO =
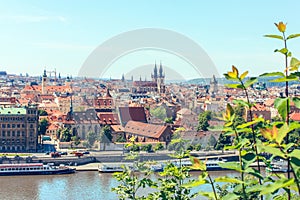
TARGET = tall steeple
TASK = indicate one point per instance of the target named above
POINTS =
(44, 83)
(160, 70)
(155, 71)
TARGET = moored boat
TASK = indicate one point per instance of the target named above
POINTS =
(278, 166)
(114, 167)
(211, 165)
(33, 169)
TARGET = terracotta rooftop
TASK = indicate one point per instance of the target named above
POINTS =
(295, 116)
(132, 113)
(144, 129)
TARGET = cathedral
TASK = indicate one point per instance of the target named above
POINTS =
(156, 85)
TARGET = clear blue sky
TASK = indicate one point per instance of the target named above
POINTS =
(61, 34)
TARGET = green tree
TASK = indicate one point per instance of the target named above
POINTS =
(169, 120)
(91, 138)
(239, 111)
(76, 140)
(212, 141)
(121, 138)
(105, 135)
(42, 128)
(65, 135)
(203, 120)
(159, 146)
(147, 147)
(42, 113)
(159, 112)
(222, 141)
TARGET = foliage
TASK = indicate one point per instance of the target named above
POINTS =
(159, 112)
(169, 120)
(203, 119)
(65, 135)
(91, 138)
(147, 147)
(43, 113)
(75, 140)
(223, 141)
(197, 147)
(120, 138)
(42, 126)
(105, 134)
(212, 141)
(159, 146)
(252, 139)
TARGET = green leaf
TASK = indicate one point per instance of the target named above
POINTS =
(282, 132)
(294, 64)
(250, 82)
(248, 159)
(233, 85)
(295, 153)
(293, 36)
(257, 120)
(197, 164)
(231, 165)
(271, 150)
(283, 51)
(244, 75)
(296, 101)
(195, 183)
(296, 74)
(241, 102)
(210, 195)
(231, 196)
(226, 179)
(281, 183)
(272, 74)
(282, 105)
(285, 79)
(230, 78)
(274, 36)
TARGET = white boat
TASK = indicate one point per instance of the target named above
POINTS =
(33, 169)
(211, 165)
(119, 167)
(278, 166)
(114, 167)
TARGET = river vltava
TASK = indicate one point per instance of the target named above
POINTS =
(78, 186)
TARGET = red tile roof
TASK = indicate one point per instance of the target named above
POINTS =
(132, 113)
(295, 116)
(145, 129)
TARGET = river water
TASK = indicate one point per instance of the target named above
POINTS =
(78, 186)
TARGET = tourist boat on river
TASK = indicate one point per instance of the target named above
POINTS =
(33, 169)
(278, 166)
(114, 167)
(211, 165)
(119, 167)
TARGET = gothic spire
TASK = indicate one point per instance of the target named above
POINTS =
(160, 70)
(155, 71)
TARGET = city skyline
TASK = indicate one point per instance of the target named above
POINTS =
(38, 35)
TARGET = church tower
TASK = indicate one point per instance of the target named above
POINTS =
(154, 76)
(161, 80)
(213, 89)
(44, 83)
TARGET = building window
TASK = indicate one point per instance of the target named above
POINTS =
(3, 126)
